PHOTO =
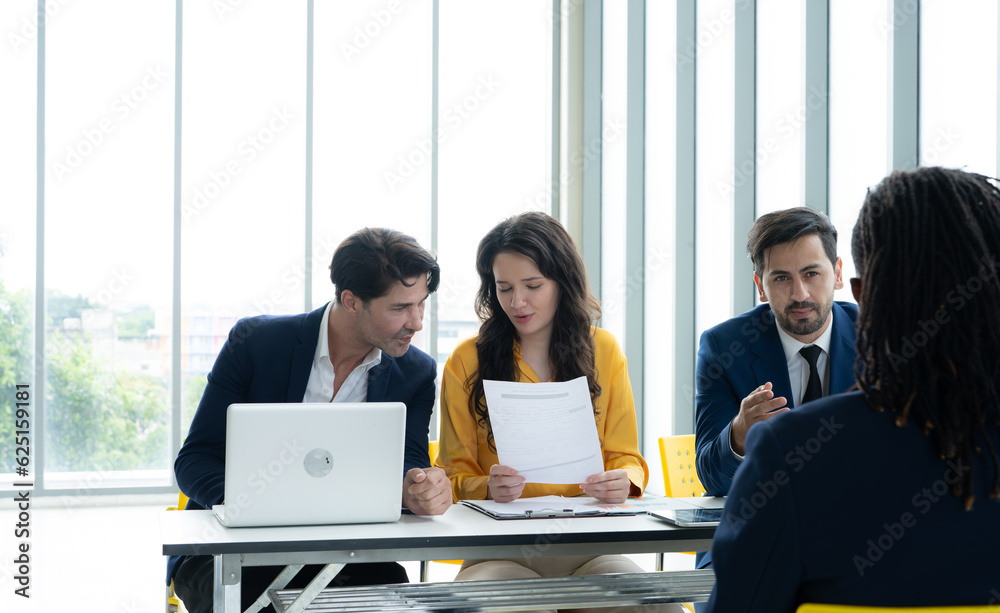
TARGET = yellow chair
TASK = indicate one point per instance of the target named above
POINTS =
(173, 602)
(680, 477)
(841, 608)
(432, 448)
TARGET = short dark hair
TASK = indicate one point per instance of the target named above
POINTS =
(371, 260)
(786, 226)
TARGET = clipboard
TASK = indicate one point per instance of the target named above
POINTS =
(543, 507)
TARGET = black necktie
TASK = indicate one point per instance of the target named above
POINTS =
(814, 389)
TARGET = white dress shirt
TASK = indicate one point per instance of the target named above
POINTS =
(798, 365)
(321, 376)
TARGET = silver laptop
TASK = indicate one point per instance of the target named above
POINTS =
(300, 464)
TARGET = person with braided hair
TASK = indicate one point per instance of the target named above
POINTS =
(888, 495)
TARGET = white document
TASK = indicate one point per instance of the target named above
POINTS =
(545, 431)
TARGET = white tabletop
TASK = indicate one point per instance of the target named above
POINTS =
(459, 533)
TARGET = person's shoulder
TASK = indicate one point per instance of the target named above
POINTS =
(849, 308)
(605, 343)
(273, 326)
(834, 413)
(265, 320)
(608, 353)
(603, 338)
(465, 355)
(467, 346)
(759, 317)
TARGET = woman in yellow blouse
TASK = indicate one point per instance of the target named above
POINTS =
(537, 316)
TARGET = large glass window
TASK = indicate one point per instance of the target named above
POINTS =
(614, 103)
(372, 126)
(372, 133)
(494, 122)
(108, 210)
(243, 138)
(860, 34)
(781, 106)
(18, 67)
(411, 115)
(958, 85)
(715, 181)
(657, 277)
(242, 181)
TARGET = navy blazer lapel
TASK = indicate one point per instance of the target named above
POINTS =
(378, 379)
(303, 355)
(842, 352)
(770, 363)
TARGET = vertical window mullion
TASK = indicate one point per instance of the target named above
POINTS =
(684, 221)
(175, 309)
(634, 204)
(817, 88)
(905, 92)
(39, 370)
(745, 147)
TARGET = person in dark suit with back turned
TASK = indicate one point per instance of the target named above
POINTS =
(354, 349)
(797, 346)
(888, 496)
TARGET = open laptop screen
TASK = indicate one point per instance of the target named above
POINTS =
(298, 464)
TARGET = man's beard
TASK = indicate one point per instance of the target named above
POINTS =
(804, 327)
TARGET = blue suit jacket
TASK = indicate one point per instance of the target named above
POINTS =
(836, 504)
(268, 359)
(734, 358)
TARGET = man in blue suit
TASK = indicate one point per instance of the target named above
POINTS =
(752, 367)
(354, 349)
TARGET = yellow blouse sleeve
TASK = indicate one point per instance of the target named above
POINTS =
(458, 451)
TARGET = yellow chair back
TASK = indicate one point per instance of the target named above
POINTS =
(182, 502)
(840, 608)
(174, 603)
(680, 477)
(432, 448)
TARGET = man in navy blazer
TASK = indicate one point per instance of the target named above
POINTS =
(354, 349)
(750, 368)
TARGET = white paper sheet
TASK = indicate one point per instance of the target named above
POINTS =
(545, 431)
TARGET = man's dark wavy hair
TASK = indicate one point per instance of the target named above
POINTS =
(788, 226)
(370, 261)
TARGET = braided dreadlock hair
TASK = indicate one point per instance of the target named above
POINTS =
(928, 341)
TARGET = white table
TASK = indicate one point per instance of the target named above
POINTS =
(459, 533)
